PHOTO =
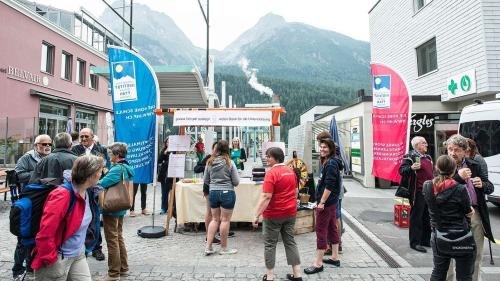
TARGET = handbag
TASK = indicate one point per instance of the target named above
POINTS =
(451, 242)
(403, 192)
(117, 197)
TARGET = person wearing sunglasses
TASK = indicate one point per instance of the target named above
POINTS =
(61, 159)
(24, 169)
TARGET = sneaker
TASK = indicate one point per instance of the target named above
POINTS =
(124, 274)
(228, 252)
(145, 212)
(230, 234)
(208, 252)
(163, 211)
(98, 255)
(18, 277)
(132, 214)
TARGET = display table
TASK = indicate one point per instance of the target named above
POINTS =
(191, 205)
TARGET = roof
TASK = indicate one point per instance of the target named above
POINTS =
(374, 6)
(180, 86)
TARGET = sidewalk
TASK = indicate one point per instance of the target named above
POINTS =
(181, 257)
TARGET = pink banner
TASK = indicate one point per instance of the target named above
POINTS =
(391, 104)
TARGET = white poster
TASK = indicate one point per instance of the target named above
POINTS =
(124, 84)
(176, 165)
(210, 118)
(382, 91)
(268, 144)
(179, 143)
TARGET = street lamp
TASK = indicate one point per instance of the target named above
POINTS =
(206, 17)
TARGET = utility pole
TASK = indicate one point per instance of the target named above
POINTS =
(206, 17)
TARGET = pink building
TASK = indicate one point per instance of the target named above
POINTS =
(46, 80)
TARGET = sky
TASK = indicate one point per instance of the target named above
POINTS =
(230, 18)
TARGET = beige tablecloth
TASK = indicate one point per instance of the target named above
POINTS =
(191, 206)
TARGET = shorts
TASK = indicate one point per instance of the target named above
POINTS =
(339, 209)
(222, 198)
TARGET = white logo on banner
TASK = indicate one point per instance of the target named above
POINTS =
(124, 83)
(382, 91)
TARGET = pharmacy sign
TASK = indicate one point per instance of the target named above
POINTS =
(460, 85)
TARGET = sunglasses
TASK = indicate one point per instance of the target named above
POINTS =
(84, 137)
(45, 144)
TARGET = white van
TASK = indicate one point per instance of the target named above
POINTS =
(481, 122)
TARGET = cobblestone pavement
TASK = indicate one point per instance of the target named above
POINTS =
(180, 256)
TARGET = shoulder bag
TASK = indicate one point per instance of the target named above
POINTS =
(117, 197)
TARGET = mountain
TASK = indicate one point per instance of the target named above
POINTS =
(155, 36)
(300, 52)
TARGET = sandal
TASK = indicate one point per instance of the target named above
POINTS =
(292, 278)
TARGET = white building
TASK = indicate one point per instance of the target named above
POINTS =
(449, 48)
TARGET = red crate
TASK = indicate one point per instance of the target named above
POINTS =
(402, 215)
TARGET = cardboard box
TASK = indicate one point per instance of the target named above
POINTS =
(305, 222)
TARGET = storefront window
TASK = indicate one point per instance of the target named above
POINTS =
(85, 119)
(485, 133)
(53, 118)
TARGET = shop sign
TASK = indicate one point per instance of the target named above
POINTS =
(24, 75)
(460, 85)
(356, 145)
(421, 122)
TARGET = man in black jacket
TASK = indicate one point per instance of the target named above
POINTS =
(60, 159)
(415, 169)
(477, 184)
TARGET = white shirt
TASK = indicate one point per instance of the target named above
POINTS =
(88, 149)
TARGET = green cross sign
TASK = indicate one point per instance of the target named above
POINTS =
(453, 86)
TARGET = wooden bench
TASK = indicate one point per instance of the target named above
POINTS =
(4, 190)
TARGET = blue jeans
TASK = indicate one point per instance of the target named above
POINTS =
(222, 198)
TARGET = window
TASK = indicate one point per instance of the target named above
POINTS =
(486, 134)
(80, 72)
(419, 4)
(47, 64)
(93, 79)
(85, 119)
(53, 118)
(427, 57)
(66, 65)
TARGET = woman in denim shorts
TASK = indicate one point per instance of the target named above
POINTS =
(221, 175)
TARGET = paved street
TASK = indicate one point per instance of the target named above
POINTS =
(180, 256)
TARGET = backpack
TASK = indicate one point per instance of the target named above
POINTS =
(26, 212)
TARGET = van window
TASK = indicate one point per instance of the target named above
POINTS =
(486, 134)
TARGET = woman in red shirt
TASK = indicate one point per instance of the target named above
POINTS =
(278, 206)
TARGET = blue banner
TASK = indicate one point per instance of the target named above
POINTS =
(135, 94)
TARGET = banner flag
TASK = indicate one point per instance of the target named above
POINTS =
(135, 94)
(390, 118)
(210, 118)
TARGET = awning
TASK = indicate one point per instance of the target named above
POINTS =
(68, 101)
(180, 86)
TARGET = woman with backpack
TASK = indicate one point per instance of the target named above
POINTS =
(450, 209)
(221, 175)
(327, 197)
(113, 222)
(60, 243)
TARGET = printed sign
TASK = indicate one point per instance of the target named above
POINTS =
(176, 165)
(356, 145)
(134, 102)
(382, 91)
(210, 118)
(179, 143)
(390, 123)
(124, 84)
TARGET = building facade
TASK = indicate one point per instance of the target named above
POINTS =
(46, 81)
(448, 48)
